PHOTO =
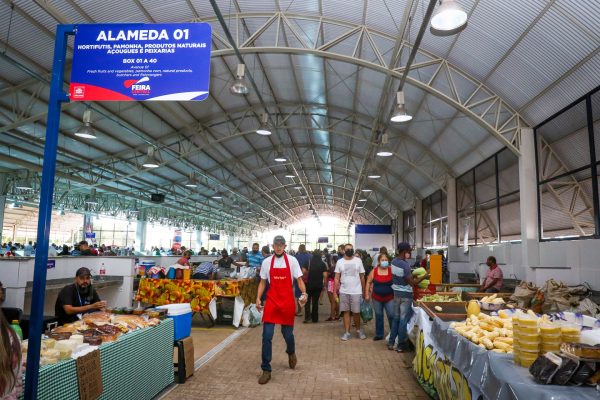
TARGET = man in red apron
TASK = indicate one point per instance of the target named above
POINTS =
(280, 270)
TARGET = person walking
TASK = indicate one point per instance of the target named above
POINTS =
(331, 291)
(280, 305)
(379, 288)
(11, 384)
(402, 285)
(317, 279)
(350, 279)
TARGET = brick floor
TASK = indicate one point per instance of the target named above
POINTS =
(327, 368)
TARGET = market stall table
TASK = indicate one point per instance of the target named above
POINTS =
(450, 366)
(199, 293)
(137, 366)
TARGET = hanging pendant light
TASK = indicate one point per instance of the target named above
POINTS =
(384, 141)
(191, 182)
(91, 198)
(280, 157)
(86, 131)
(264, 129)
(240, 87)
(449, 19)
(151, 161)
(400, 114)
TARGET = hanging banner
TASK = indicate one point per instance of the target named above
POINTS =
(135, 62)
(177, 238)
(434, 371)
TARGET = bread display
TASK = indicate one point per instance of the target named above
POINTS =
(581, 350)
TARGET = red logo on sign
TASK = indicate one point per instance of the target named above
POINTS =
(79, 92)
(139, 87)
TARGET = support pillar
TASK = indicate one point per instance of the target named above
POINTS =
(419, 224)
(88, 226)
(530, 250)
(140, 235)
(452, 214)
(400, 228)
(197, 241)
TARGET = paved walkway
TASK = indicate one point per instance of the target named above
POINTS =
(327, 368)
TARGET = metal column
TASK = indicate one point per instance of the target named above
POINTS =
(57, 97)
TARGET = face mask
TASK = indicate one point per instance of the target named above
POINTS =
(385, 264)
(279, 255)
(349, 252)
(254, 251)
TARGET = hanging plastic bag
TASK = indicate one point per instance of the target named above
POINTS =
(238, 309)
(255, 317)
(366, 311)
(246, 317)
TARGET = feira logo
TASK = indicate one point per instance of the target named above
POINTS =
(139, 87)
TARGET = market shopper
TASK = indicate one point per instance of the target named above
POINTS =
(255, 258)
(185, 259)
(494, 278)
(78, 298)
(10, 362)
(331, 290)
(317, 278)
(280, 270)
(350, 279)
(205, 271)
(85, 250)
(403, 283)
(379, 288)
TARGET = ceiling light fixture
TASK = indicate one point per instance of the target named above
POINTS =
(449, 19)
(86, 131)
(151, 161)
(91, 198)
(240, 87)
(366, 190)
(384, 153)
(217, 197)
(264, 129)
(362, 199)
(23, 184)
(280, 157)
(374, 176)
(400, 114)
(290, 176)
(192, 182)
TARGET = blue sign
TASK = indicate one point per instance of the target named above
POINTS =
(323, 239)
(214, 236)
(134, 62)
(90, 235)
(51, 264)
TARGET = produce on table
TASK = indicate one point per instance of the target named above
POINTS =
(491, 333)
(438, 309)
(418, 273)
(493, 299)
(440, 298)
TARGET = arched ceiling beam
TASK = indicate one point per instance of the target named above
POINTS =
(479, 103)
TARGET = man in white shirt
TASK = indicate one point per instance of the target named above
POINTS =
(350, 280)
(280, 271)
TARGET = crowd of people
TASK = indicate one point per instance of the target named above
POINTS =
(83, 248)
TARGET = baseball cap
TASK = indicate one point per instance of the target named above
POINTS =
(279, 240)
(83, 271)
(404, 246)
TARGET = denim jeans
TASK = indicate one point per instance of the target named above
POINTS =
(378, 308)
(267, 343)
(402, 314)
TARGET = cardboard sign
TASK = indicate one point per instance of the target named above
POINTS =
(89, 376)
(50, 264)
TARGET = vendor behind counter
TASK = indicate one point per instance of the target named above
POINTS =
(78, 298)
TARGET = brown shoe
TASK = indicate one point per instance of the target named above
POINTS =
(293, 360)
(264, 378)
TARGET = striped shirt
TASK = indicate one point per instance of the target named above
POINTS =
(206, 268)
(254, 260)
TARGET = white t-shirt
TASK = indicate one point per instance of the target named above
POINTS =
(350, 271)
(265, 268)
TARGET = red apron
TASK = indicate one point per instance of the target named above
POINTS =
(280, 306)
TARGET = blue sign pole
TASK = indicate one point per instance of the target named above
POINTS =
(57, 96)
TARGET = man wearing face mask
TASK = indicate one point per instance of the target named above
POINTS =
(78, 298)
(280, 271)
(350, 279)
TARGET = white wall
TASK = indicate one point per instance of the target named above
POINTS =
(570, 261)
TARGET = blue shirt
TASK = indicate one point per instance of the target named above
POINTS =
(206, 268)
(28, 250)
(401, 270)
(303, 259)
(254, 260)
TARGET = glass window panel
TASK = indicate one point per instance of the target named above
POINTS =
(464, 192)
(508, 172)
(485, 181)
(563, 143)
(596, 118)
(566, 206)
(510, 217)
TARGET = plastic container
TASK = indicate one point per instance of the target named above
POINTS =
(15, 327)
(528, 330)
(527, 359)
(529, 338)
(528, 321)
(550, 348)
(187, 274)
(182, 317)
(570, 329)
(527, 346)
(550, 329)
(571, 338)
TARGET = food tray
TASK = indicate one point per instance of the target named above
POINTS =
(451, 311)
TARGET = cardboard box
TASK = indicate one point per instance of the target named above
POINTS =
(188, 351)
